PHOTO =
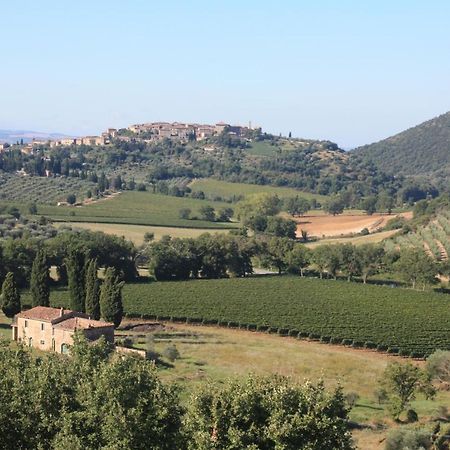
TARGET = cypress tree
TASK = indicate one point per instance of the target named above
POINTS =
(75, 264)
(111, 308)
(10, 299)
(40, 280)
(92, 300)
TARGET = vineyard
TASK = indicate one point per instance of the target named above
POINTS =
(401, 321)
(15, 188)
(434, 238)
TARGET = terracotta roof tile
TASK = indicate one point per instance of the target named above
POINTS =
(44, 313)
(73, 323)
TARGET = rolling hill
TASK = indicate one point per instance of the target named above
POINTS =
(423, 150)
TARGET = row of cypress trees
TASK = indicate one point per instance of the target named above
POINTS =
(86, 294)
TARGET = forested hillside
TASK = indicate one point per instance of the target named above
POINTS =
(421, 150)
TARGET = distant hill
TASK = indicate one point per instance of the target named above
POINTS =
(12, 136)
(421, 150)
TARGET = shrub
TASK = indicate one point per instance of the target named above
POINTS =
(347, 341)
(325, 339)
(357, 344)
(403, 438)
(313, 336)
(336, 340)
(351, 398)
(370, 345)
(283, 331)
(411, 416)
(171, 353)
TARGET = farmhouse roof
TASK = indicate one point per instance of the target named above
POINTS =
(44, 313)
(75, 323)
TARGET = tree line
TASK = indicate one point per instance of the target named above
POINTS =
(100, 299)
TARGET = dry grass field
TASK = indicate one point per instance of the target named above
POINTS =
(356, 240)
(219, 353)
(135, 233)
(322, 226)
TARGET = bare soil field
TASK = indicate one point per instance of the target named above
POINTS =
(341, 225)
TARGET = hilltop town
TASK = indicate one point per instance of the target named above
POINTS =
(146, 132)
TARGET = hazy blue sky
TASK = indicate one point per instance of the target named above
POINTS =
(349, 71)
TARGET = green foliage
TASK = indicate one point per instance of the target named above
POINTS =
(111, 309)
(40, 280)
(280, 227)
(10, 298)
(402, 382)
(334, 206)
(207, 213)
(267, 413)
(410, 439)
(75, 263)
(88, 401)
(92, 300)
(420, 150)
(415, 266)
(298, 259)
(438, 366)
(171, 353)
(397, 318)
(71, 199)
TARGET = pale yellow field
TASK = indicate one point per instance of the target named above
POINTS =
(214, 353)
(135, 233)
(357, 240)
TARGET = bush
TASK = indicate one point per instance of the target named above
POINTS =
(351, 398)
(171, 353)
(357, 344)
(336, 340)
(347, 341)
(403, 438)
(411, 416)
(370, 345)
(314, 336)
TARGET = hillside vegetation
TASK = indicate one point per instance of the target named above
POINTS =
(421, 150)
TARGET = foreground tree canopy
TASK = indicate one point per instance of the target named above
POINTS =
(98, 400)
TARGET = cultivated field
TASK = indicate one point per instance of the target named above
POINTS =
(320, 225)
(225, 189)
(434, 238)
(136, 208)
(26, 189)
(135, 233)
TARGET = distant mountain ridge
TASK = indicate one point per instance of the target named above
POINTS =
(12, 136)
(423, 150)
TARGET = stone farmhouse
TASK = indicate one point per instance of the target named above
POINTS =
(52, 329)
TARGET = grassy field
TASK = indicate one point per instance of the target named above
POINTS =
(226, 189)
(262, 148)
(135, 233)
(212, 353)
(136, 208)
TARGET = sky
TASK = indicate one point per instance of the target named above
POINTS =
(350, 71)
